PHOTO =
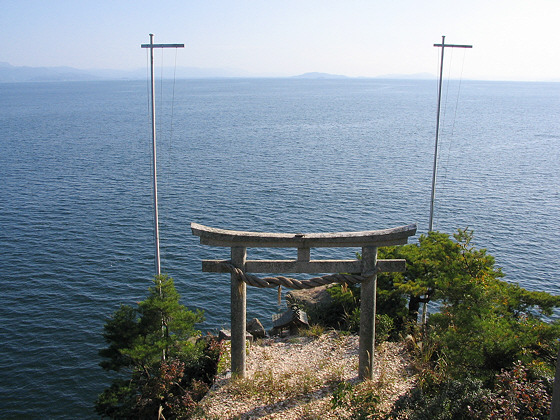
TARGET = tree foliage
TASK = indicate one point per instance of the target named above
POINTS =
(487, 349)
(486, 324)
(167, 372)
(489, 346)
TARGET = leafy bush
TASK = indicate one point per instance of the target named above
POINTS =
(343, 313)
(169, 372)
(470, 350)
(517, 395)
(453, 399)
(361, 400)
(384, 325)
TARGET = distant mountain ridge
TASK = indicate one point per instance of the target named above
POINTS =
(14, 74)
(10, 74)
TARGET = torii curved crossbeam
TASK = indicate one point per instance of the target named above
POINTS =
(229, 238)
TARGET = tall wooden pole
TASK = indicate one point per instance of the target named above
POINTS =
(434, 172)
(151, 46)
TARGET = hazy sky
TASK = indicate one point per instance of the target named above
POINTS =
(512, 39)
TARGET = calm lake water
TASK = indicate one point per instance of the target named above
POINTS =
(285, 155)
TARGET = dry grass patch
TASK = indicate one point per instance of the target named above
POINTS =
(296, 379)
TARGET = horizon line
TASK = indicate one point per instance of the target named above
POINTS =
(226, 73)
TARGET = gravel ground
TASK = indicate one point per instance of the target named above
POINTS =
(293, 378)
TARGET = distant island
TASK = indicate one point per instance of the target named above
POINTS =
(317, 75)
(15, 74)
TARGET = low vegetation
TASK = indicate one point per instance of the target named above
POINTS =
(165, 370)
(486, 351)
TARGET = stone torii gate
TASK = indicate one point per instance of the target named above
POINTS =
(239, 267)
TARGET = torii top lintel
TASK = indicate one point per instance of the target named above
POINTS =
(232, 238)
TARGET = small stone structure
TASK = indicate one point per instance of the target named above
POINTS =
(293, 319)
(239, 268)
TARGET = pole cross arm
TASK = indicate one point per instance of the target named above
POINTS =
(151, 45)
(162, 45)
(232, 238)
(453, 45)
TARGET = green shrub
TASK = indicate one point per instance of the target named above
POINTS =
(343, 313)
(469, 350)
(518, 395)
(361, 400)
(169, 372)
(384, 325)
(454, 399)
(314, 331)
(515, 395)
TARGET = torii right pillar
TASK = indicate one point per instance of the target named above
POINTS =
(367, 312)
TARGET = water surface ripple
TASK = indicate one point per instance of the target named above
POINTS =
(266, 155)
